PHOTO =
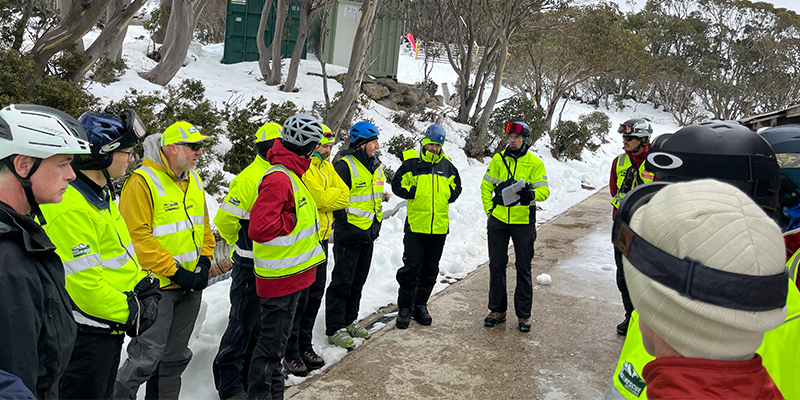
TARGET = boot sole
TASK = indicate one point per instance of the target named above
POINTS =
(423, 323)
(492, 324)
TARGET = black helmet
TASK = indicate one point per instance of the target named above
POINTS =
(108, 133)
(722, 150)
(785, 141)
(636, 127)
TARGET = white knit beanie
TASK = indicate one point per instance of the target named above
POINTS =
(716, 224)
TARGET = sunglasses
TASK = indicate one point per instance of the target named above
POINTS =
(193, 146)
(628, 138)
(515, 127)
(625, 129)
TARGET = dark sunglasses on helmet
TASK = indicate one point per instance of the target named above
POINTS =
(192, 146)
(689, 277)
(515, 127)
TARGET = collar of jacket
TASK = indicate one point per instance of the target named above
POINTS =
(507, 152)
(372, 163)
(84, 186)
(429, 157)
(33, 235)
(638, 159)
(279, 155)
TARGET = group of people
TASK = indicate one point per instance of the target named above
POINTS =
(712, 308)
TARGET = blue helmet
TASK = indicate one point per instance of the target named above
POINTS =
(435, 133)
(362, 132)
(106, 134)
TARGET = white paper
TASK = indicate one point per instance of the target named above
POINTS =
(510, 193)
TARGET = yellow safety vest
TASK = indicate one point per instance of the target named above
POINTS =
(298, 251)
(527, 167)
(366, 194)
(99, 261)
(624, 162)
(434, 177)
(178, 217)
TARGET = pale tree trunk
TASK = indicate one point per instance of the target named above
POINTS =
(337, 118)
(109, 43)
(82, 16)
(117, 7)
(281, 10)
(180, 31)
(321, 55)
(263, 50)
(161, 32)
(19, 28)
(306, 11)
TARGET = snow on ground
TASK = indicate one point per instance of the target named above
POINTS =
(570, 182)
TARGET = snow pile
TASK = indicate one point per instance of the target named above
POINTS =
(544, 279)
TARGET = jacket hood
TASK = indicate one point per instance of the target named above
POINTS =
(153, 154)
(279, 155)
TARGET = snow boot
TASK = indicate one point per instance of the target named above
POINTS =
(421, 315)
(311, 359)
(524, 324)
(295, 367)
(403, 318)
(493, 319)
(357, 331)
(622, 329)
(342, 339)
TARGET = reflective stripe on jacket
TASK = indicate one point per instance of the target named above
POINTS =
(298, 251)
(233, 217)
(623, 164)
(328, 190)
(178, 218)
(99, 260)
(366, 194)
(527, 167)
(434, 182)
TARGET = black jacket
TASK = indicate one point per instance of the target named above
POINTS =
(342, 230)
(36, 325)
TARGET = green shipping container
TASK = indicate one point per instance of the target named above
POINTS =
(241, 30)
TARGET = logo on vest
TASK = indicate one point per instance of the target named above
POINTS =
(360, 185)
(173, 205)
(81, 249)
(235, 201)
(302, 203)
(631, 380)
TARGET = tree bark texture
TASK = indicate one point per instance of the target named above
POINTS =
(117, 7)
(281, 10)
(19, 29)
(306, 11)
(161, 32)
(180, 30)
(263, 50)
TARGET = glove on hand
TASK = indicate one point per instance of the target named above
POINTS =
(148, 286)
(498, 191)
(201, 278)
(525, 195)
(143, 305)
(183, 278)
(148, 307)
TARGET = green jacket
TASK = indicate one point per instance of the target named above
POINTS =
(505, 167)
(430, 182)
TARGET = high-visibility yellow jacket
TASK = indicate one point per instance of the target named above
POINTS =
(99, 259)
(136, 205)
(504, 167)
(328, 190)
(430, 182)
(233, 217)
(623, 163)
(779, 351)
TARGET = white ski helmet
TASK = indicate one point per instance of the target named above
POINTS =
(40, 132)
(301, 130)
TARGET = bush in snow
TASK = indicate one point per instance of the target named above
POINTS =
(398, 144)
(569, 138)
(243, 123)
(598, 125)
(515, 109)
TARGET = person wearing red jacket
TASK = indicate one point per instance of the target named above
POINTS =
(284, 229)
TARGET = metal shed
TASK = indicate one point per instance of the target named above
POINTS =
(790, 115)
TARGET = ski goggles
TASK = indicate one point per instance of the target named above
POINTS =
(133, 123)
(625, 129)
(690, 277)
(516, 127)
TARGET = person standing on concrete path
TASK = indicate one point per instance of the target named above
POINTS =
(286, 251)
(354, 230)
(37, 144)
(330, 194)
(695, 254)
(510, 205)
(232, 362)
(110, 293)
(430, 182)
(163, 204)
(627, 172)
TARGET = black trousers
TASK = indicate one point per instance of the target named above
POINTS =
(347, 280)
(621, 285)
(265, 379)
(92, 368)
(417, 277)
(307, 309)
(523, 236)
(231, 364)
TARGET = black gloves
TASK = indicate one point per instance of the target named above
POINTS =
(525, 195)
(189, 280)
(183, 278)
(201, 281)
(498, 191)
(143, 306)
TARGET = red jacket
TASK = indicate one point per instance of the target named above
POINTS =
(699, 378)
(272, 215)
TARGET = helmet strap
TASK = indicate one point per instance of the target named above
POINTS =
(27, 186)
(108, 182)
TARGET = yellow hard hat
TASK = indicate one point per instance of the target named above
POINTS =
(268, 131)
(327, 135)
(181, 132)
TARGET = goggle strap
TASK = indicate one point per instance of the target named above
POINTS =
(722, 167)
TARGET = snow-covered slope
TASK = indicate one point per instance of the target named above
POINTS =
(466, 245)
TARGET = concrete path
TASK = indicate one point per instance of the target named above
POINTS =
(570, 353)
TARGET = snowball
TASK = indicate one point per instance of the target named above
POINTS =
(544, 279)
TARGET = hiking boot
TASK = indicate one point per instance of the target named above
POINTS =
(622, 329)
(403, 318)
(342, 339)
(524, 324)
(295, 367)
(493, 319)
(240, 396)
(311, 359)
(356, 331)
(420, 314)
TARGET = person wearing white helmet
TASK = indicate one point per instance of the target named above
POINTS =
(36, 147)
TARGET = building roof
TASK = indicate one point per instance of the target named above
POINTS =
(790, 115)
